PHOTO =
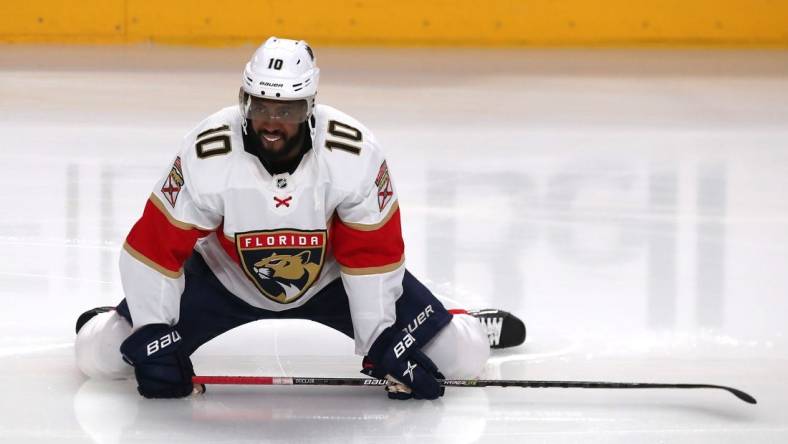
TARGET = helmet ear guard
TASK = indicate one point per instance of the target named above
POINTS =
(280, 70)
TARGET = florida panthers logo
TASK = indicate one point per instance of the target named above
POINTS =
(283, 264)
(288, 274)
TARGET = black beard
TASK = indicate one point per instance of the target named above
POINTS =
(284, 160)
(292, 146)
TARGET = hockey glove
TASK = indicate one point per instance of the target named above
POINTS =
(396, 358)
(161, 370)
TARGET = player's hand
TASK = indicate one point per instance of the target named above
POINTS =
(161, 370)
(410, 373)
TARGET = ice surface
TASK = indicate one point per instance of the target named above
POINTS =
(632, 207)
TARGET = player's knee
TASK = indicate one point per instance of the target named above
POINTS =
(461, 349)
(97, 348)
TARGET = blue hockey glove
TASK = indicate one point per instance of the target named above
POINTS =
(161, 370)
(396, 358)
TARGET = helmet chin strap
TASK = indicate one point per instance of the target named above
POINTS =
(245, 111)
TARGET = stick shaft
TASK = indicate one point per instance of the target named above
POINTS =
(272, 380)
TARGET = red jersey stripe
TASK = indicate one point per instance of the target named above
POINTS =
(161, 242)
(355, 248)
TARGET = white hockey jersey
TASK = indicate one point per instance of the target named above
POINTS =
(274, 241)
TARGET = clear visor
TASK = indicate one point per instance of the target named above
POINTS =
(287, 111)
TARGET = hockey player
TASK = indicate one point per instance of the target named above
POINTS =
(279, 208)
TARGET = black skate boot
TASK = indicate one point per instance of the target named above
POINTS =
(503, 328)
(88, 315)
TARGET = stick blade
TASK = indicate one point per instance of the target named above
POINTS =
(746, 397)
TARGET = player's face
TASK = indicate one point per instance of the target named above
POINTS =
(277, 123)
(275, 134)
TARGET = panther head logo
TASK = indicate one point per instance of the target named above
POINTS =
(282, 264)
(285, 276)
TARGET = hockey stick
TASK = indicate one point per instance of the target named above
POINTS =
(273, 380)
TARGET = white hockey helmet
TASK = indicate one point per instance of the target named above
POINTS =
(281, 70)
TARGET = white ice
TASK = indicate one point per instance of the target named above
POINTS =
(630, 206)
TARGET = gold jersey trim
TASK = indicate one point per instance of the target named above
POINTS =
(373, 227)
(144, 259)
(175, 222)
(373, 270)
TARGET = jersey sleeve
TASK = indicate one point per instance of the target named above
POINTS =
(152, 258)
(367, 244)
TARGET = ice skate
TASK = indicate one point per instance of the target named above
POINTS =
(504, 329)
(88, 315)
